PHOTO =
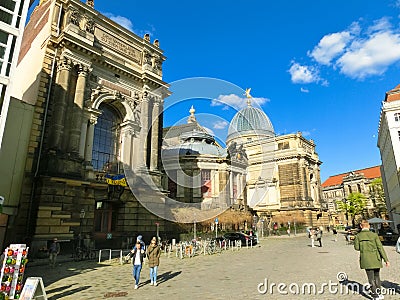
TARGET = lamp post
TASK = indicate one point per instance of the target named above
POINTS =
(81, 216)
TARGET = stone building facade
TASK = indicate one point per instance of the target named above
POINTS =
(97, 95)
(283, 174)
(199, 170)
(389, 148)
(338, 187)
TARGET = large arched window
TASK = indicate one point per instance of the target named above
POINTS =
(105, 155)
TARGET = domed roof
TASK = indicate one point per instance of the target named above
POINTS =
(195, 143)
(250, 120)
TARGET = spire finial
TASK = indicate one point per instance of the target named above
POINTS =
(192, 118)
(90, 3)
(248, 96)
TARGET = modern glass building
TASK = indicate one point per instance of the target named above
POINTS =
(13, 15)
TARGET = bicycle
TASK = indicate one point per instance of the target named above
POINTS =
(82, 253)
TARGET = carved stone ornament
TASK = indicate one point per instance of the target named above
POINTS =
(157, 65)
(147, 57)
(89, 26)
(74, 17)
(90, 3)
(132, 103)
(118, 95)
(95, 93)
(64, 64)
(93, 119)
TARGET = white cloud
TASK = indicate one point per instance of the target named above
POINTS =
(304, 90)
(330, 46)
(220, 124)
(305, 133)
(209, 131)
(236, 101)
(124, 22)
(303, 74)
(370, 56)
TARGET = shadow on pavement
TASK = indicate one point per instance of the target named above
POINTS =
(168, 275)
(50, 275)
(391, 285)
(163, 277)
(69, 292)
(351, 286)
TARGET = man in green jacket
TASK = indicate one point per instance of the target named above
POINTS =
(371, 255)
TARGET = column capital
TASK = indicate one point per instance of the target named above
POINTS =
(83, 70)
(92, 115)
(64, 64)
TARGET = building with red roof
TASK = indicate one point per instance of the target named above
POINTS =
(339, 187)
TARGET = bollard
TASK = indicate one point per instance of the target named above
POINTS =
(251, 243)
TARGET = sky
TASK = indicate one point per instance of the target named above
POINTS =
(318, 67)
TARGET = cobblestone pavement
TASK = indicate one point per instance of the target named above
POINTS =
(230, 275)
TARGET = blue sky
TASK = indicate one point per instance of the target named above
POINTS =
(319, 67)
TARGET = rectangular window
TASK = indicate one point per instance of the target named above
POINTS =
(8, 4)
(2, 94)
(206, 183)
(399, 134)
(3, 37)
(5, 17)
(397, 117)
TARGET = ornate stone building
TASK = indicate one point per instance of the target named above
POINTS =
(96, 93)
(201, 171)
(338, 187)
(283, 174)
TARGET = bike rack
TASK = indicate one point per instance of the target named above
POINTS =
(110, 254)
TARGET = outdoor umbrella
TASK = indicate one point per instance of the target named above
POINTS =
(377, 221)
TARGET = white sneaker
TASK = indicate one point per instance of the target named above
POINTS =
(155, 283)
(151, 283)
(136, 287)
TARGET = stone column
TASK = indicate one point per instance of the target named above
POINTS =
(154, 135)
(74, 145)
(89, 137)
(230, 198)
(128, 133)
(145, 124)
(60, 103)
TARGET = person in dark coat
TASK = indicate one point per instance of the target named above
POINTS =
(153, 254)
(371, 255)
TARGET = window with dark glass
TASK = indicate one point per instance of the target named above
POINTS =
(105, 142)
(105, 217)
(397, 117)
(8, 4)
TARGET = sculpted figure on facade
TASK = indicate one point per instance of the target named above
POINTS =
(157, 64)
(147, 57)
(74, 17)
(89, 26)
(93, 96)
(156, 43)
(90, 3)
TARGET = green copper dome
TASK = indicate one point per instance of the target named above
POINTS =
(250, 120)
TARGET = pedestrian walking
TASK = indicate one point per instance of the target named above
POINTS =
(137, 255)
(312, 237)
(54, 250)
(371, 255)
(319, 235)
(153, 254)
(334, 234)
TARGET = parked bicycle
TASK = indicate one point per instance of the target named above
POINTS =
(82, 252)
